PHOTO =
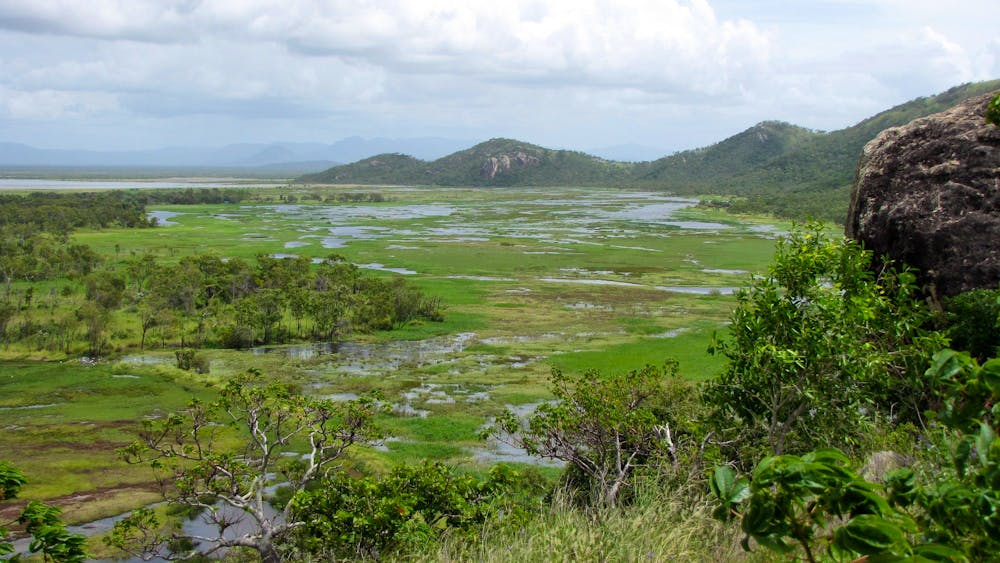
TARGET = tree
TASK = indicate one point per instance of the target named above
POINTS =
(95, 318)
(140, 270)
(298, 304)
(105, 289)
(328, 310)
(49, 534)
(819, 351)
(187, 450)
(605, 426)
(16, 254)
(153, 311)
(81, 260)
(262, 310)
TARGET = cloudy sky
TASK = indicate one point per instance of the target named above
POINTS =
(671, 74)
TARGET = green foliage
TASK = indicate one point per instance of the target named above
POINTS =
(794, 501)
(200, 468)
(191, 196)
(48, 533)
(228, 302)
(608, 426)
(190, 360)
(370, 517)
(29, 255)
(11, 481)
(62, 212)
(973, 320)
(818, 504)
(729, 489)
(993, 111)
(818, 351)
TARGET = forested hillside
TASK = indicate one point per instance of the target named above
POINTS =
(774, 167)
(497, 162)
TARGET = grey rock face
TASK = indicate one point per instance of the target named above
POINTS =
(927, 194)
(496, 165)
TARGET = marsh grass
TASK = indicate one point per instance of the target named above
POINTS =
(689, 348)
(523, 327)
(63, 421)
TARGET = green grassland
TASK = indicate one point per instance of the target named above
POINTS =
(530, 280)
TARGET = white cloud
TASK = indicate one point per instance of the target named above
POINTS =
(593, 68)
(55, 104)
(140, 20)
(655, 44)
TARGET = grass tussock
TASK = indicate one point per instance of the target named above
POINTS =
(660, 526)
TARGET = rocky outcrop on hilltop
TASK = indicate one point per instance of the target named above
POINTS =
(927, 194)
(496, 165)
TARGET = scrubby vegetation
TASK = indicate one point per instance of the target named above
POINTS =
(821, 353)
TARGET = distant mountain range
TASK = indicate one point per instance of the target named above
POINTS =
(778, 167)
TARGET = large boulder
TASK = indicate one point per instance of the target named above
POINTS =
(927, 194)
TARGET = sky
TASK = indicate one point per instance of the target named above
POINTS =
(577, 74)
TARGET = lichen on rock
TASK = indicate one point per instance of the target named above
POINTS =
(927, 194)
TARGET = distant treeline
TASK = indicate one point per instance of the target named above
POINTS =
(62, 212)
(191, 196)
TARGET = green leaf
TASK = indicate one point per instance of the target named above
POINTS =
(945, 365)
(757, 519)
(830, 456)
(990, 373)
(775, 542)
(869, 535)
(938, 552)
(727, 487)
(901, 485)
(11, 480)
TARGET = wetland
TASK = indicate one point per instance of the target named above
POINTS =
(528, 279)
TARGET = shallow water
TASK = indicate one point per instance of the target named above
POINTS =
(362, 358)
(163, 217)
(496, 451)
(698, 289)
(383, 268)
(29, 407)
(589, 282)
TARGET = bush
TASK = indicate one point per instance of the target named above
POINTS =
(817, 503)
(370, 517)
(190, 360)
(973, 320)
(819, 352)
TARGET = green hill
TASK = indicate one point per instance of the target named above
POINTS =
(497, 162)
(378, 169)
(705, 170)
(776, 167)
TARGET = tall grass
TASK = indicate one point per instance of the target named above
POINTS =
(662, 525)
